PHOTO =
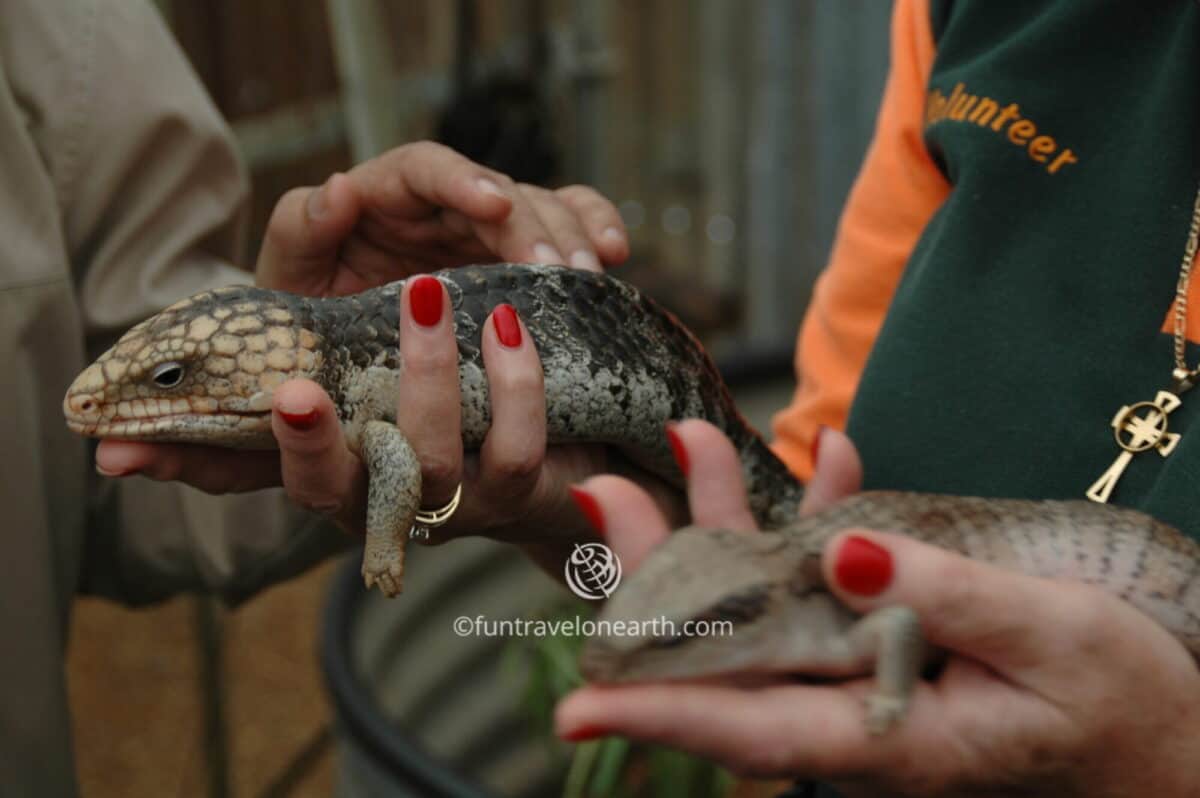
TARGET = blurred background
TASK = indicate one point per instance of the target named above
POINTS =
(727, 131)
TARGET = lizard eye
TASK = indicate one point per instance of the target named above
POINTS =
(167, 375)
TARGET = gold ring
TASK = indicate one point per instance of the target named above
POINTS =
(434, 518)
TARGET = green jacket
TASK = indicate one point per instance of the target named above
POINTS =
(1010, 254)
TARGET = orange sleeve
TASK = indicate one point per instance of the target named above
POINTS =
(897, 192)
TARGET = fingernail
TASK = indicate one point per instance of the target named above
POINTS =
(677, 449)
(590, 508)
(863, 567)
(816, 444)
(104, 472)
(582, 259)
(488, 187)
(318, 201)
(544, 253)
(508, 329)
(584, 733)
(425, 298)
(302, 419)
(614, 234)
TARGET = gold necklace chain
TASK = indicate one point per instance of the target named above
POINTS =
(1143, 426)
(1181, 291)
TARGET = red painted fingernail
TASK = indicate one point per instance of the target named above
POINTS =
(677, 449)
(863, 567)
(590, 508)
(425, 298)
(816, 444)
(584, 733)
(303, 420)
(508, 329)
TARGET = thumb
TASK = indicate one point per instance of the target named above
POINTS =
(1005, 619)
(304, 236)
(319, 472)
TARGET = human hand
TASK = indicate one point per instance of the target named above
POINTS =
(421, 207)
(1050, 688)
(513, 487)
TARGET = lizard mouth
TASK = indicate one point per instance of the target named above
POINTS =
(247, 428)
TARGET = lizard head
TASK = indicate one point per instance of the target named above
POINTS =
(709, 603)
(203, 370)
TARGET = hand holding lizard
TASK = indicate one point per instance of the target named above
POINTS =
(1049, 688)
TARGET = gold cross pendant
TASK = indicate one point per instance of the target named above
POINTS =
(1140, 433)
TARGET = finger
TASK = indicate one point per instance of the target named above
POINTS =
(790, 730)
(523, 236)
(301, 244)
(428, 409)
(414, 180)
(510, 458)
(564, 226)
(601, 220)
(624, 515)
(715, 485)
(319, 472)
(990, 614)
(207, 468)
(838, 472)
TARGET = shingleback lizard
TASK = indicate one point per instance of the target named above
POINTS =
(616, 368)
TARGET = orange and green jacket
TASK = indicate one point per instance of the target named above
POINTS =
(1004, 273)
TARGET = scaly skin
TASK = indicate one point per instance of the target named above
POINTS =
(785, 620)
(616, 367)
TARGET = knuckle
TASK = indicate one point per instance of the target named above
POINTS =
(285, 210)
(516, 466)
(294, 196)
(305, 448)
(517, 382)
(957, 588)
(502, 180)
(315, 499)
(440, 469)
(425, 148)
(579, 194)
(529, 189)
(424, 363)
(1090, 613)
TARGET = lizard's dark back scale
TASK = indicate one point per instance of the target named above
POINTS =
(617, 365)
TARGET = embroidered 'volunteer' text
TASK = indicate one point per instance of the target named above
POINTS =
(1007, 120)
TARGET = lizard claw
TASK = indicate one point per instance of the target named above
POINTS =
(388, 577)
(884, 712)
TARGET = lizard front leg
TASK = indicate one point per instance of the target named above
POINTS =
(393, 499)
(891, 637)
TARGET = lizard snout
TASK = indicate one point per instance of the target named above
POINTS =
(85, 398)
(84, 406)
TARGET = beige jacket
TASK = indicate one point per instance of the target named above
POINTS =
(119, 193)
